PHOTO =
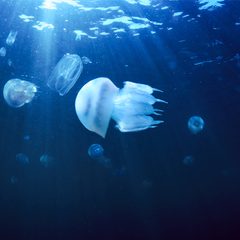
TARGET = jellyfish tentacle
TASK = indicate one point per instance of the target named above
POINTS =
(155, 124)
(158, 110)
(157, 114)
(161, 101)
(157, 90)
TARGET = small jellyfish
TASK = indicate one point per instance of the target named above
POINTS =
(188, 160)
(17, 92)
(26, 137)
(14, 179)
(96, 152)
(22, 159)
(86, 60)
(65, 74)
(3, 52)
(11, 38)
(195, 124)
(46, 160)
(79, 34)
(9, 62)
(100, 100)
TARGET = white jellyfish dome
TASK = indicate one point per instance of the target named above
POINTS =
(94, 104)
(99, 100)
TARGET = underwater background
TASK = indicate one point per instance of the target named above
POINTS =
(161, 183)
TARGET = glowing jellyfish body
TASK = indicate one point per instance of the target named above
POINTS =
(96, 151)
(11, 38)
(46, 160)
(65, 74)
(22, 159)
(86, 60)
(188, 160)
(195, 124)
(17, 92)
(3, 52)
(14, 179)
(100, 100)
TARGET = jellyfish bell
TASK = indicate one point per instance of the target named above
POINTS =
(22, 159)
(17, 92)
(65, 74)
(94, 104)
(195, 124)
(99, 100)
(46, 160)
(96, 152)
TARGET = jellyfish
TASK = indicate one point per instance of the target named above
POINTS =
(9, 62)
(14, 179)
(195, 124)
(86, 60)
(11, 38)
(3, 52)
(119, 171)
(22, 159)
(17, 92)
(96, 152)
(26, 137)
(188, 160)
(46, 160)
(65, 74)
(99, 100)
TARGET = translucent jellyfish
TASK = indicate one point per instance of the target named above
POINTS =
(22, 159)
(14, 179)
(46, 160)
(9, 62)
(96, 152)
(86, 60)
(26, 137)
(188, 160)
(3, 52)
(11, 38)
(17, 92)
(195, 124)
(65, 74)
(100, 100)
(79, 34)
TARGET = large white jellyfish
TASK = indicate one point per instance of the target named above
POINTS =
(99, 100)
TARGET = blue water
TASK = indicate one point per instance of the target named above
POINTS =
(163, 183)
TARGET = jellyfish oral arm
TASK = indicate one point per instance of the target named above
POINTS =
(137, 123)
(132, 107)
